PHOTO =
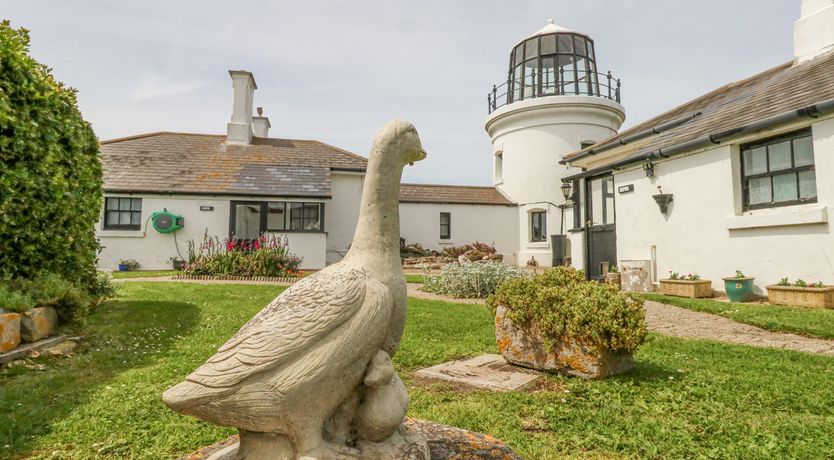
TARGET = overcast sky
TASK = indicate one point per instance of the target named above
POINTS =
(336, 71)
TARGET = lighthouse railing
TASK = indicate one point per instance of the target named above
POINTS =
(547, 84)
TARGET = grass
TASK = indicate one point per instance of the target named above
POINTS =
(685, 399)
(144, 273)
(813, 322)
(410, 278)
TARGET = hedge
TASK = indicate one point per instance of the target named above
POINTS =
(51, 177)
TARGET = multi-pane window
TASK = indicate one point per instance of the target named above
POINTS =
(779, 171)
(305, 216)
(122, 213)
(249, 219)
(445, 225)
(538, 226)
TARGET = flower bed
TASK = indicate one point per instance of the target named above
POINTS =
(559, 322)
(267, 256)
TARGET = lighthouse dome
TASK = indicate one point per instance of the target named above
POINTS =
(554, 61)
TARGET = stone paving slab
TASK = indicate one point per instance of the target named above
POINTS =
(23, 350)
(490, 372)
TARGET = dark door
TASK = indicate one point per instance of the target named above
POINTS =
(600, 229)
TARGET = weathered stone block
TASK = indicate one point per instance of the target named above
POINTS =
(525, 346)
(38, 323)
(9, 331)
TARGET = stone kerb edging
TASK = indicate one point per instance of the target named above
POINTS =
(263, 279)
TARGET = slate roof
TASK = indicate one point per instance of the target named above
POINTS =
(168, 162)
(451, 194)
(772, 92)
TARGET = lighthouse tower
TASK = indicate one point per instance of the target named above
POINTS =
(553, 102)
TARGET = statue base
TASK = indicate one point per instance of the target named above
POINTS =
(444, 442)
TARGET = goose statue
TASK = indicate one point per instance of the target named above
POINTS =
(310, 376)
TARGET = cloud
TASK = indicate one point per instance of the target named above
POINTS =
(155, 87)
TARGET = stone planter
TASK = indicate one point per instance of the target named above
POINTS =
(614, 279)
(686, 288)
(524, 346)
(38, 323)
(9, 331)
(801, 296)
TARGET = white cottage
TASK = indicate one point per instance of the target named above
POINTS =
(245, 183)
(737, 179)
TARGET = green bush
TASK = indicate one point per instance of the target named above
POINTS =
(50, 182)
(72, 302)
(563, 304)
(14, 301)
(471, 280)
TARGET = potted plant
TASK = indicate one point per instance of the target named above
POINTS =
(739, 288)
(177, 263)
(801, 294)
(613, 277)
(690, 285)
(559, 322)
(128, 264)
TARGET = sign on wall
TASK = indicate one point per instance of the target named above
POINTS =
(625, 188)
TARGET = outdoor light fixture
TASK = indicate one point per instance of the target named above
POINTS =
(566, 190)
(648, 167)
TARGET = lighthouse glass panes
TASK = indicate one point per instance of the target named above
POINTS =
(553, 64)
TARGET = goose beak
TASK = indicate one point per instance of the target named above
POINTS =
(421, 155)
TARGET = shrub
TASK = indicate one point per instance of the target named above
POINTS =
(477, 250)
(688, 277)
(15, 301)
(471, 280)
(266, 256)
(50, 184)
(563, 304)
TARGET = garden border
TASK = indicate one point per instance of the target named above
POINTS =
(264, 279)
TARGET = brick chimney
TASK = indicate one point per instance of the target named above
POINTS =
(813, 32)
(239, 129)
(260, 124)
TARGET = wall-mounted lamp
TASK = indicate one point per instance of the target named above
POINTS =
(566, 190)
(648, 168)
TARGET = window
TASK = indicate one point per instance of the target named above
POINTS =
(249, 219)
(122, 213)
(538, 226)
(778, 172)
(499, 168)
(445, 225)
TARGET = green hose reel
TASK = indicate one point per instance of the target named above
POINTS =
(166, 222)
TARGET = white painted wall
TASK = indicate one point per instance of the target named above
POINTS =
(153, 250)
(494, 224)
(342, 213)
(705, 231)
(532, 136)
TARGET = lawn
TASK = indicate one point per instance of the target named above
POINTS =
(144, 273)
(685, 398)
(411, 278)
(813, 322)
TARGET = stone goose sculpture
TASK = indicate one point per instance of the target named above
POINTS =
(310, 376)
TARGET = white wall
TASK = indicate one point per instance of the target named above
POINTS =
(342, 213)
(706, 232)
(153, 250)
(492, 224)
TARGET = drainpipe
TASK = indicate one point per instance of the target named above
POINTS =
(654, 265)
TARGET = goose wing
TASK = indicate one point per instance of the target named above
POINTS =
(302, 315)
